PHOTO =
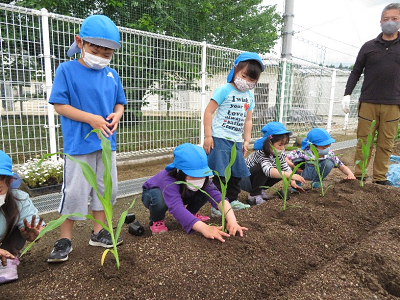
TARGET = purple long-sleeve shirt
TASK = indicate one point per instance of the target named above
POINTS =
(174, 201)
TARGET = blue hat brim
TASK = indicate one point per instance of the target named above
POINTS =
(258, 144)
(16, 182)
(73, 49)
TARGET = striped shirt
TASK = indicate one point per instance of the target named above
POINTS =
(259, 157)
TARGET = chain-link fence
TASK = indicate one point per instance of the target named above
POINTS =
(168, 82)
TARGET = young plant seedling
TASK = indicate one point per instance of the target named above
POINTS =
(365, 148)
(285, 181)
(320, 173)
(105, 199)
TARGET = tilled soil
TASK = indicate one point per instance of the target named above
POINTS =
(344, 245)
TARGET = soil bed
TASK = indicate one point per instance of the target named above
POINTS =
(345, 245)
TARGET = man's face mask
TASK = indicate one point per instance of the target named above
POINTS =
(389, 27)
(243, 85)
(95, 62)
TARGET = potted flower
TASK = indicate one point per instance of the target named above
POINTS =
(44, 179)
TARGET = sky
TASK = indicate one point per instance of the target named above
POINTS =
(332, 31)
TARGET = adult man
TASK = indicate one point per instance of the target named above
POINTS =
(380, 92)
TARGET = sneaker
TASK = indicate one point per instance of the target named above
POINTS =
(103, 239)
(255, 200)
(9, 273)
(60, 251)
(237, 205)
(384, 182)
(215, 212)
(264, 195)
(158, 227)
(201, 218)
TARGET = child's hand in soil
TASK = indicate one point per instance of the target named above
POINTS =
(234, 227)
(4, 254)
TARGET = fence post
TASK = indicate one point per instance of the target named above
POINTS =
(331, 98)
(203, 88)
(283, 85)
(49, 80)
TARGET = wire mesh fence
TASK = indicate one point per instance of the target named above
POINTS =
(168, 82)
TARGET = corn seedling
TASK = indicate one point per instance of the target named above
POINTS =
(315, 163)
(223, 185)
(365, 148)
(285, 181)
(105, 199)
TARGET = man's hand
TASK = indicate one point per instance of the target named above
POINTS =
(346, 104)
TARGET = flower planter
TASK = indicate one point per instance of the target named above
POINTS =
(43, 190)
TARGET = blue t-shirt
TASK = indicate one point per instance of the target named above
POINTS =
(89, 90)
(231, 114)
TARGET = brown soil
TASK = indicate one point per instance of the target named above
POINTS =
(344, 245)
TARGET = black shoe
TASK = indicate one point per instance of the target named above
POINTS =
(103, 239)
(281, 193)
(60, 251)
(359, 178)
(384, 182)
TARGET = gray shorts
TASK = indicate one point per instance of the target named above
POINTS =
(77, 192)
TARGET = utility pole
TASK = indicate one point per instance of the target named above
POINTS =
(288, 30)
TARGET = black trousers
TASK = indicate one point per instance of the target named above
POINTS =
(233, 188)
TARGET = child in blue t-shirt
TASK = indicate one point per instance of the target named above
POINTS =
(88, 95)
(233, 103)
(327, 160)
(19, 220)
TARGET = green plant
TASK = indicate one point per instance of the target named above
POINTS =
(49, 172)
(105, 199)
(365, 149)
(315, 162)
(285, 181)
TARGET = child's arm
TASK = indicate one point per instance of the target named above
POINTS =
(208, 140)
(115, 117)
(345, 170)
(96, 121)
(290, 163)
(210, 232)
(275, 174)
(31, 231)
(248, 125)
(232, 225)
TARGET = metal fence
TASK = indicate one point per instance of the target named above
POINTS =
(168, 82)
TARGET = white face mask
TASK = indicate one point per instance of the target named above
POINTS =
(95, 62)
(198, 183)
(243, 85)
(2, 199)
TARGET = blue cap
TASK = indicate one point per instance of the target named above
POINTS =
(317, 137)
(272, 128)
(6, 169)
(243, 57)
(191, 159)
(98, 30)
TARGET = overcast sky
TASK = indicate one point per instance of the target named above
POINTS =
(332, 31)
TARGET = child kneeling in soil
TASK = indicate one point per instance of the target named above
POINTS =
(183, 201)
(19, 220)
(262, 163)
(322, 141)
